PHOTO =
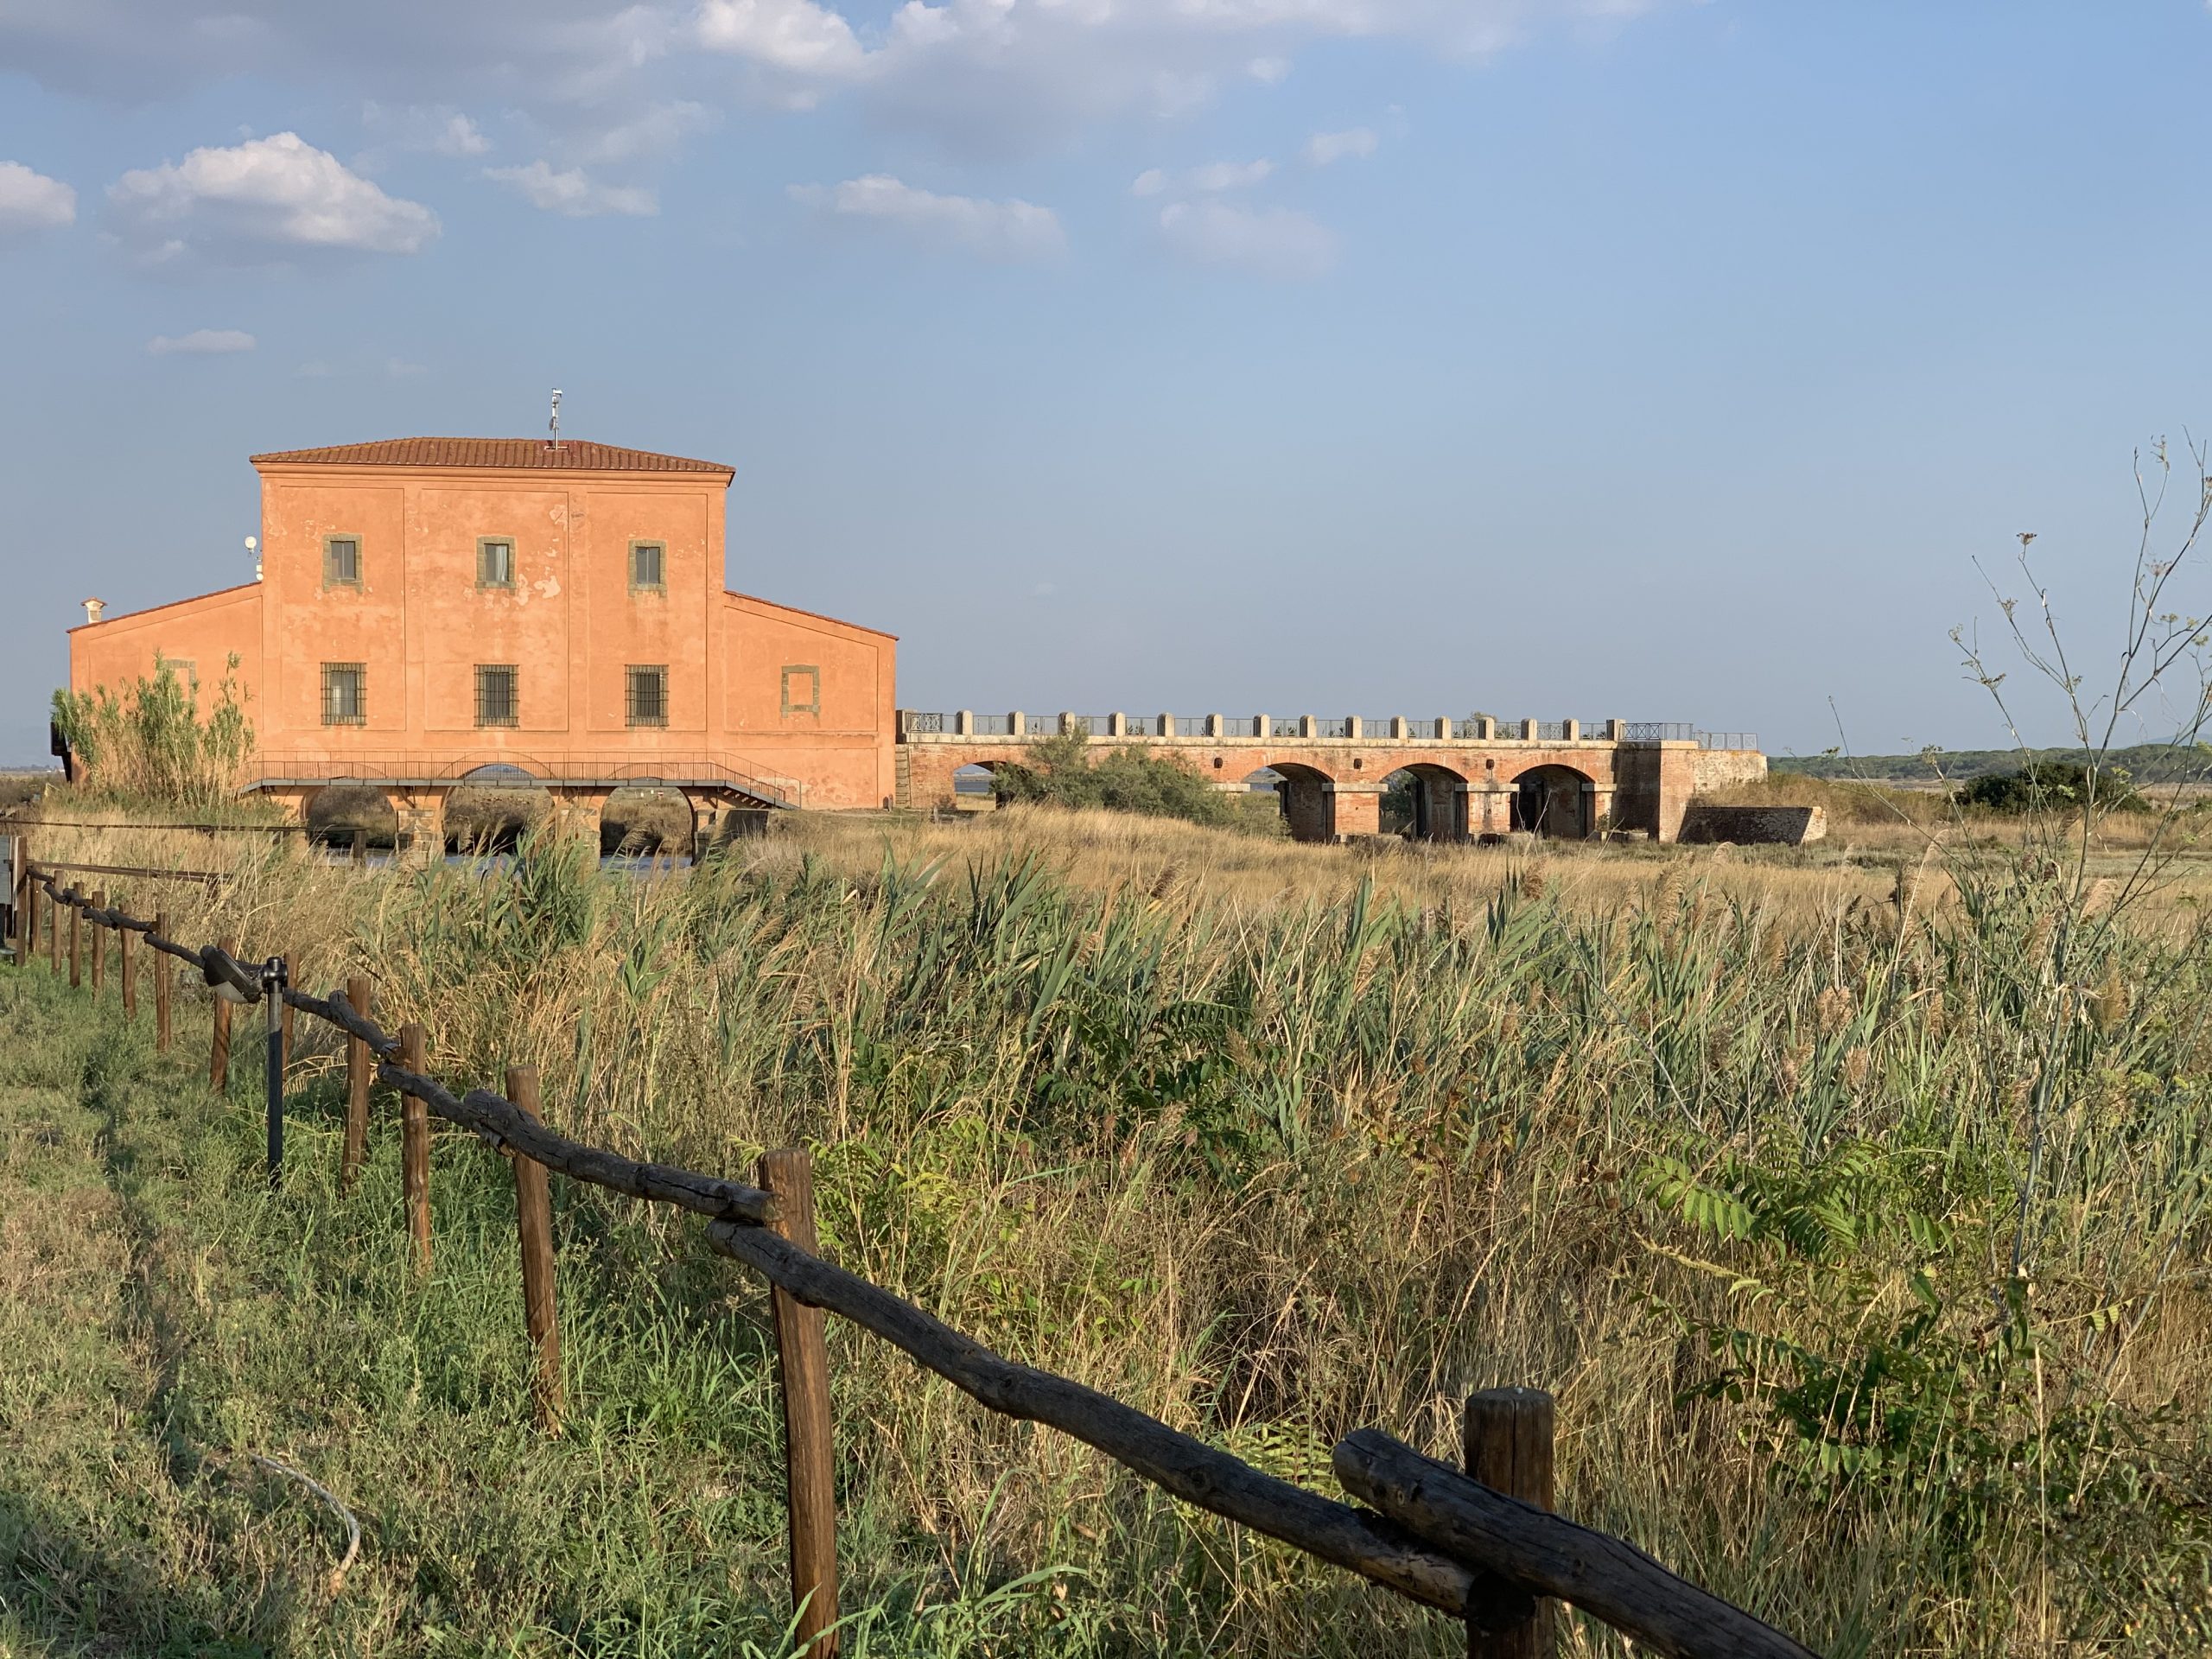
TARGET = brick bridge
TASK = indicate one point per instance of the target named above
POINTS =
(1472, 778)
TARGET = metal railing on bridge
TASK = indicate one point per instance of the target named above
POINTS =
(1380, 728)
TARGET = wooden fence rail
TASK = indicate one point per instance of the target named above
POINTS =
(1436, 1536)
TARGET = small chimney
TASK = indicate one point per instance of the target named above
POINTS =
(92, 609)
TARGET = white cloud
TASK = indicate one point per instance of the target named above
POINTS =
(1011, 232)
(259, 201)
(200, 342)
(1326, 149)
(438, 127)
(572, 195)
(1210, 180)
(30, 201)
(1217, 176)
(1273, 242)
(987, 76)
(791, 35)
(657, 132)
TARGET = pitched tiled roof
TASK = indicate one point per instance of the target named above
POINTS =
(504, 455)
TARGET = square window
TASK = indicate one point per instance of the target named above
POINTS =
(342, 561)
(495, 562)
(648, 695)
(648, 562)
(345, 694)
(497, 703)
(186, 670)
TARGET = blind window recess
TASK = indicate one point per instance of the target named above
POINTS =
(497, 700)
(647, 699)
(495, 562)
(345, 694)
(648, 565)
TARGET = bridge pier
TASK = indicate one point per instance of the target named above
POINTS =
(1354, 809)
(420, 810)
(577, 815)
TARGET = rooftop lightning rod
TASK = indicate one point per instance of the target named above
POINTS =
(553, 426)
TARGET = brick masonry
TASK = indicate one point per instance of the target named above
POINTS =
(1333, 786)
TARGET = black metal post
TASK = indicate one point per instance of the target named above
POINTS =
(272, 991)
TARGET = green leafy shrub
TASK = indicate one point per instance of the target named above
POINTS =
(1059, 772)
(2045, 785)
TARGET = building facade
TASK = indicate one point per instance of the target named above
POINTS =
(427, 608)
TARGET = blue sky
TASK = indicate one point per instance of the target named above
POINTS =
(1547, 357)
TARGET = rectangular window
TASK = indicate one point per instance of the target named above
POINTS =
(647, 561)
(648, 697)
(496, 701)
(495, 562)
(186, 670)
(345, 694)
(342, 561)
(802, 689)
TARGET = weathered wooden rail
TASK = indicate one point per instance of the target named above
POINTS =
(1487, 1551)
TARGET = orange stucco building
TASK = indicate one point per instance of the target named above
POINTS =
(428, 606)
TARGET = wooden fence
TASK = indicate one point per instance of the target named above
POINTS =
(1482, 1545)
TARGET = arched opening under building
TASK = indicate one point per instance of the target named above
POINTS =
(1308, 807)
(490, 808)
(645, 821)
(1554, 801)
(1425, 803)
(353, 818)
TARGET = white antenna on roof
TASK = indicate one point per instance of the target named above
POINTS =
(553, 426)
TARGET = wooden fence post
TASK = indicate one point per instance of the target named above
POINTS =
(98, 943)
(54, 937)
(126, 961)
(534, 1227)
(803, 1375)
(1508, 1446)
(76, 948)
(219, 1051)
(358, 1072)
(415, 1146)
(164, 981)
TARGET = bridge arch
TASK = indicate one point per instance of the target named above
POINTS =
(1555, 800)
(977, 780)
(489, 805)
(1429, 802)
(1308, 796)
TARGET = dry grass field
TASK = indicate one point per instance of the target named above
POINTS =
(1851, 1199)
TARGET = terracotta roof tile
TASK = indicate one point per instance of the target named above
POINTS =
(504, 455)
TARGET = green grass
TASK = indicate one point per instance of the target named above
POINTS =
(1743, 1188)
(164, 1319)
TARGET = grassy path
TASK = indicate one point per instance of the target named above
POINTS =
(162, 1319)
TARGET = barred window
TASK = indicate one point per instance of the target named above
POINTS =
(495, 562)
(648, 698)
(497, 703)
(342, 561)
(646, 565)
(345, 694)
